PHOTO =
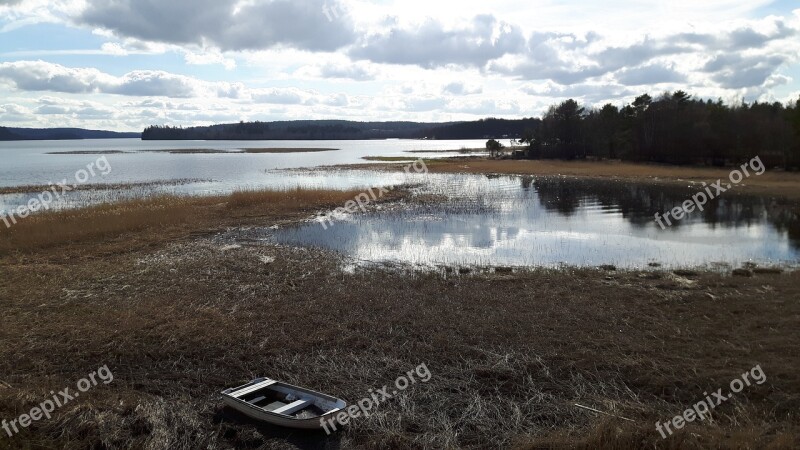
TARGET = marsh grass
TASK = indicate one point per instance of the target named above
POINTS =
(509, 355)
(158, 213)
(33, 189)
(177, 319)
(289, 198)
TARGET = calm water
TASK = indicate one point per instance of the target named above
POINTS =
(486, 220)
(29, 163)
(522, 221)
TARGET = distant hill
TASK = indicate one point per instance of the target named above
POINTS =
(345, 130)
(7, 135)
(40, 134)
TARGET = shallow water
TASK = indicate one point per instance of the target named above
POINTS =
(29, 162)
(522, 221)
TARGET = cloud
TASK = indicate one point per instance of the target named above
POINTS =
(734, 71)
(567, 60)
(649, 75)
(228, 26)
(430, 45)
(45, 76)
(484, 107)
(592, 93)
(460, 88)
(14, 113)
(357, 71)
(290, 96)
(153, 83)
(209, 57)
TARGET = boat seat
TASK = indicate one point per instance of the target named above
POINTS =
(293, 407)
(257, 399)
(256, 387)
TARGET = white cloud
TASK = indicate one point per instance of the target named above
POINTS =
(209, 57)
(430, 44)
(461, 88)
(250, 25)
(14, 113)
(649, 75)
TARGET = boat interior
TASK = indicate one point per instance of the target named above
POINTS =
(274, 397)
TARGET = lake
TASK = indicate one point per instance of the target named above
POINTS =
(485, 220)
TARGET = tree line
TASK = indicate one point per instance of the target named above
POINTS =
(341, 129)
(673, 128)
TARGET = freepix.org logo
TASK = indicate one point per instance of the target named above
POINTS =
(45, 409)
(332, 10)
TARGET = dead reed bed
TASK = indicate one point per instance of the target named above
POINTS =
(154, 292)
(161, 214)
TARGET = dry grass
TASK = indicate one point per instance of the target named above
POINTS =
(178, 321)
(178, 316)
(289, 198)
(161, 214)
(772, 182)
(390, 158)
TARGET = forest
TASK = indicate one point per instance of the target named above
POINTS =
(673, 128)
(40, 134)
(341, 129)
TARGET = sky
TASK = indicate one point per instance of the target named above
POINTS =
(126, 64)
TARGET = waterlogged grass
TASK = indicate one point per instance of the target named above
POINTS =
(401, 159)
(34, 189)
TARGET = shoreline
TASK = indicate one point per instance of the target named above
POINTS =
(773, 183)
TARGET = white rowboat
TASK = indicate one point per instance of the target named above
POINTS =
(283, 404)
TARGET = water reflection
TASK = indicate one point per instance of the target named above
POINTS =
(526, 221)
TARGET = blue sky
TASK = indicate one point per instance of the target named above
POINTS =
(126, 64)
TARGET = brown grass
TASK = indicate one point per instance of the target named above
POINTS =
(509, 354)
(772, 182)
(166, 213)
(177, 316)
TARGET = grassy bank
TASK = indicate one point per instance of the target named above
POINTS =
(772, 182)
(152, 290)
(174, 217)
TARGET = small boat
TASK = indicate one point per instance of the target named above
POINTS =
(283, 404)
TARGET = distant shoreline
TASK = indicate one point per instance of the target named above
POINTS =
(199, 151)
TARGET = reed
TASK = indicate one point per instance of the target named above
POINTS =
(160, 213)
